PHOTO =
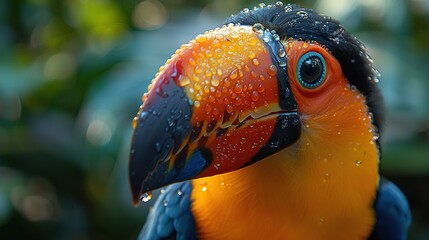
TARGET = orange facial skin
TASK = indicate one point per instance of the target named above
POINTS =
(325, 182)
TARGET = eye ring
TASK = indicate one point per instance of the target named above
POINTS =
(311, 70)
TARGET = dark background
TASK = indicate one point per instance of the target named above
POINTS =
(72, 74)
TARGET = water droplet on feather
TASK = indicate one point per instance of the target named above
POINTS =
(146, 197)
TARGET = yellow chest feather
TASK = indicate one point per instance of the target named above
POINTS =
(322, 187)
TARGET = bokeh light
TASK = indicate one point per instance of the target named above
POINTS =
(72, 74)
(59, 66)
(149, 15)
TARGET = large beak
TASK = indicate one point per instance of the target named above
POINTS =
(223, 101)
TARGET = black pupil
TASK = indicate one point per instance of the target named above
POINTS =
(311, 70)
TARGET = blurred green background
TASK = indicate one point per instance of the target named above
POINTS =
(72, 74)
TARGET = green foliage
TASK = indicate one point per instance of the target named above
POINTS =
(71, 78)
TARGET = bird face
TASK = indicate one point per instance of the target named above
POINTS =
(231, 97)
(222, 102)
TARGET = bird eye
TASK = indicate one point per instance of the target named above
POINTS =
(311, 70)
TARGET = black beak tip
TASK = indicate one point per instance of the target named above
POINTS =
(135, 187)
(163, 124)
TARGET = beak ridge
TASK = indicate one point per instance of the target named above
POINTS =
(162, 126)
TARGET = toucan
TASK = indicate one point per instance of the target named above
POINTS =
(266, 127)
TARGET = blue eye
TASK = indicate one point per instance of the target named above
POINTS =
(311, 71)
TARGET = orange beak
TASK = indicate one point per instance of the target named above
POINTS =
(222, 102)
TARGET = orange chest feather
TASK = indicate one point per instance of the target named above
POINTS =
(322, 187)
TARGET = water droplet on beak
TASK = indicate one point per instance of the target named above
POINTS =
(146, 197)
(258, 28)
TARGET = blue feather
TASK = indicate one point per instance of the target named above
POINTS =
(171, 216)
(393, 216)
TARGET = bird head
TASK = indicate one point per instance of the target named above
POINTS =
(266, 80)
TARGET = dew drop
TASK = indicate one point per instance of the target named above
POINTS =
(258, 28)
(143, 116)
(255, 62)
(197, 86)
(254, 96)
(276, 37)
(201, 38)
(208, 73)
(238, 101)
(206, 89)
(208, 108)
(326, 177)
(179, 192)
(197, 103)
(134, 123)
(144, 97)
(203, 189)
(266, 38)
(146, 197)
(246, 68)
(229, 108)
(234, 74)
(303, 14)
(215, 82)
(279, 4)
(198, 69)
(272, 70)
(234, 34)
(253, 74)
(226, 83)
(211, 98)
(158, 147)
(215, 111)
(218, 51)
(281, 52)
(261, 88)
(184, 81)
(251, 54)
(252, 42)
(288, 8)
(358, 163)
(238, 88)
(192, 61)
(209, 53)
(165, 203)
